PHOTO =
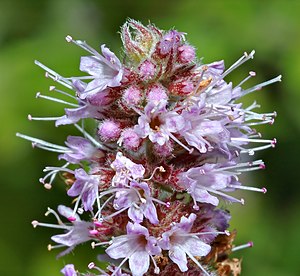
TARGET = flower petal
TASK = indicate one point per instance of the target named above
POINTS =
(178, 256)
(135, 214)
(196, 247)
(121, 247)
(139, 263)
(150, 212)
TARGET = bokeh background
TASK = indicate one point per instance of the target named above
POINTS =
(220, 30)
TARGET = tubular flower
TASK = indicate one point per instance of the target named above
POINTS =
(179, 244)
(173, 138)
(136, 246)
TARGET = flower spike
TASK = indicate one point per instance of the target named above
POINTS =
(172, 141)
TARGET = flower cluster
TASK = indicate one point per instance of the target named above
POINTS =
(171, 142)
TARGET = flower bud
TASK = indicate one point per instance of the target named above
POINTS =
(186, 54)
(129, 139)
(109, 130)
(147, 70)
(132, 95)
(169, 42)
(137, 40)
(157, 93)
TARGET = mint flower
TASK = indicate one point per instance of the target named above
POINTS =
(137, 199)
(106, 69)
(76, 233)
(86, 187)
(69, 270)
(137, 246)
(179, 243)
(172, 139)
(158, 124)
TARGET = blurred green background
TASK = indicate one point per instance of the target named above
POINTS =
(220, 30)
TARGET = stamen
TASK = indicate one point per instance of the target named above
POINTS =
(115, 213)
(53, 175)
(190, 150)
(53, 88)
(47, 186)
(50, 211)
(120, 265)
(267, 121)
(253, 150)
(63, 169)
(240, 165)
(85, 46)
(136, 110)
(261, 166)
(50, 247)
(238, 63)
(53, 75)
(50, 149)
(247, 245)
(227, 233)
(91, 265)
(161, 169)
(251, 74)
(99, 222)
(42, 142)
(30, 118)
(156, 268)
(118, 268)
(69, 38)
(35, 223)
(167, 204)
(73, 217)
(39, 95)
(261, 85)
(253, 140)
(225, 195)
(262, 190)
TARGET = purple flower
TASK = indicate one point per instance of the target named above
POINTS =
(80, 149)
(137, 199)
(163, 114)
(215, 69)
(76, 233)
(86, 186)
(73, 115)
(180, 243)
(203, 133)
(220, 95)
(125, 170)
(209, 178)
(137, 247)
(158, 123)
(69, 270)
(210, 220)
(106, 71)
(169, 42)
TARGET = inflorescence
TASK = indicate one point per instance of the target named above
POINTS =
(172, 141)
